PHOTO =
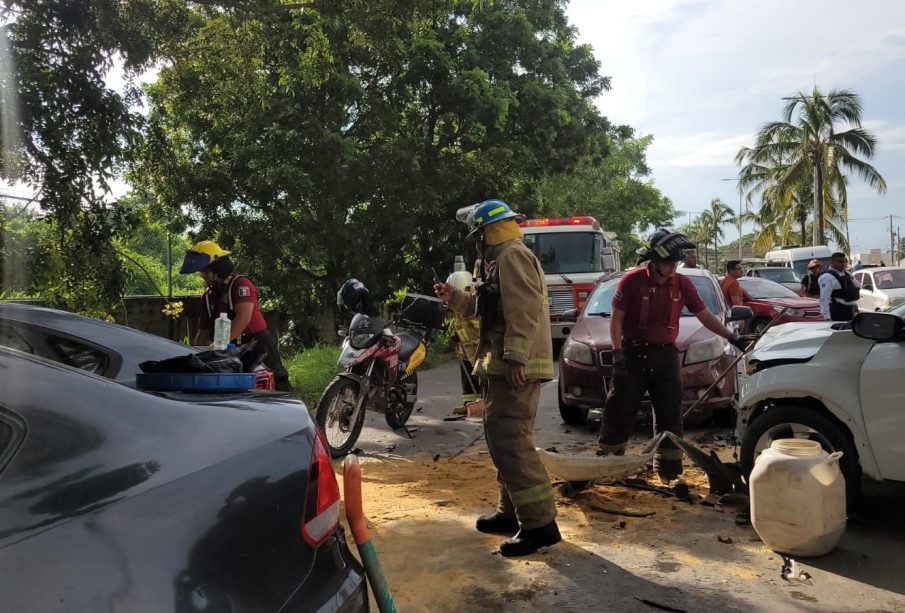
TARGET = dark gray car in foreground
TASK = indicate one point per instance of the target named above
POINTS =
(115, 499)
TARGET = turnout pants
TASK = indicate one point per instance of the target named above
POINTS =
(525, 491)
(654, 369)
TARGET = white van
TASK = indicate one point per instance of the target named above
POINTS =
(797, 258)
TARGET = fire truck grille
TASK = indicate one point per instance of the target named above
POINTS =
(561, 299)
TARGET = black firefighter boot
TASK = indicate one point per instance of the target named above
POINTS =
(497, 523)
(529, 541)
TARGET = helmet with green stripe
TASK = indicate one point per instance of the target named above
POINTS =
(666, 245)
(481, 215)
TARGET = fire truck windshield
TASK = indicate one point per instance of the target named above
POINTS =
(567, 252)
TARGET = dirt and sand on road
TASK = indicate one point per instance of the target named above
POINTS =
(685, 556)
(688, 557)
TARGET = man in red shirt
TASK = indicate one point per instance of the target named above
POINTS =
(235, 295)
(644, 324)
(732, 291)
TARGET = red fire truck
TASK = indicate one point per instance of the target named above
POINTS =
(574, 252)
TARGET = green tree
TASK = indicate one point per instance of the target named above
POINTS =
(325, 143)
(805, 148)
(713, 220)
(67, 134)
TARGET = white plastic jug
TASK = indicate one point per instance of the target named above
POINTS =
(798, 498)
(222, 332)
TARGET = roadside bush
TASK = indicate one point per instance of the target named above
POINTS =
(311, 370)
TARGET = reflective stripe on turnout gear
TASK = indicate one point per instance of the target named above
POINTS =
(538, 493)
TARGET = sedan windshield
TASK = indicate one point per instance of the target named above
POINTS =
(567, 252)
(764, 288)
(779, 275)
(600, 302)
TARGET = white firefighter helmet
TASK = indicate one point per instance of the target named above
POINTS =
(461, 279)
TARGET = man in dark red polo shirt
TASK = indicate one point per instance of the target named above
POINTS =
(235, 295)
(644, 324)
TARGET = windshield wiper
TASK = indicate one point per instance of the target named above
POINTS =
(600, 314)
(567, 279)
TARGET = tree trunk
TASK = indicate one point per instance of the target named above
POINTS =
(716, 255)
(803, 222)
(818, 238)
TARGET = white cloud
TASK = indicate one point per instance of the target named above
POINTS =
(703, 149)
(891, 136)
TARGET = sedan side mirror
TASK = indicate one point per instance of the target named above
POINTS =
(874, 326)
(740, 313)
(570, 315)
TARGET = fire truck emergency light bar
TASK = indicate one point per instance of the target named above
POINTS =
(580, 220)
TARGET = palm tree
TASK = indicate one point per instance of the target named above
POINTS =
(699, 233)
(788, 156)
(713, 219)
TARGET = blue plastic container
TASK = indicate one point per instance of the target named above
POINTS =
(190, 382)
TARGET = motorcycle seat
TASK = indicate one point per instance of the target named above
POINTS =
(409, 342)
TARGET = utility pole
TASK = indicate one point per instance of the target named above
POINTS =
(892, 240)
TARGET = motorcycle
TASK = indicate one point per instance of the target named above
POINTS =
(378, 371)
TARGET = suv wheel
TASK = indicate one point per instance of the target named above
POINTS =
(803, 422)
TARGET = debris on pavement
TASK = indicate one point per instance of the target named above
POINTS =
(595, 502)
(657, 605)
(793, 571)
(725, 539)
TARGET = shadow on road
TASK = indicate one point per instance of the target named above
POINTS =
(873, 546)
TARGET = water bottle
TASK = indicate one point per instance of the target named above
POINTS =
(222, 329)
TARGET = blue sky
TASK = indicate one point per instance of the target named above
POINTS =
(702, 77)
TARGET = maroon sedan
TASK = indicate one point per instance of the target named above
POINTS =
(585, 362)
(767, 298)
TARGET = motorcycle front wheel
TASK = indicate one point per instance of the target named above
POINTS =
(334, 416)
(398, 419)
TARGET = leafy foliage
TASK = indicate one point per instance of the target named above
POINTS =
(789, 157)
(337, 142)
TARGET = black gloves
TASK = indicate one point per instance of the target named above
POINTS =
(741, 341)
(620, 364)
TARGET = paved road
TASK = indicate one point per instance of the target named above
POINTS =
(439, 391)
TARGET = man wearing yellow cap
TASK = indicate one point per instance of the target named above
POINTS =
(235, 295)
(515, 355)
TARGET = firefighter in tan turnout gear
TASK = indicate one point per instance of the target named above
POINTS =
(515, 356)
(467, 329)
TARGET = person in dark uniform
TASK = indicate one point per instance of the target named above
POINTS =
(235, 295)
(810, 284)
(839, 292)
(644, 324)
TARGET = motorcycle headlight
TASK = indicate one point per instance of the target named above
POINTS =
(789, 312)
(704, 351)
(578, 352)
(360, 340)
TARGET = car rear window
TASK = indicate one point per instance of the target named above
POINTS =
(75, 354)
(10, 337)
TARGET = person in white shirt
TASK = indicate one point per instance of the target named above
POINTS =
(691, 259)
(839, 292)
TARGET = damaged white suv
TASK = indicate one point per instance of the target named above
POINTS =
(840, 384)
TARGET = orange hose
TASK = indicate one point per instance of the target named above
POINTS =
(352, 494)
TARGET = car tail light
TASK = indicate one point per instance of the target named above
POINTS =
(265, 379)
(322, 498)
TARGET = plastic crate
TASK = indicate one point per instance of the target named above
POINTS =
(193, 382)
(428, 311)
